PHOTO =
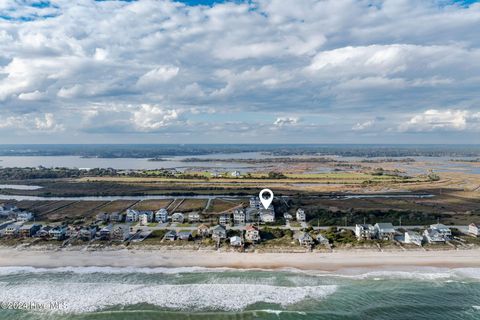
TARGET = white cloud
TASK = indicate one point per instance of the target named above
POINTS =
(335, 59)
(32, 123)
(32, 96)
(360, 126)
(437, 120)
(157, 75)
(150, 118)
(47, 123)
(286, 121)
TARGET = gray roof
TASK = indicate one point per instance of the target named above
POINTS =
(385, 227)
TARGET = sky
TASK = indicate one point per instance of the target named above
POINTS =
(258, 71)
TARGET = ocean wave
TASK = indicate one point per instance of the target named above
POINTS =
(414, 273)
(89, 297)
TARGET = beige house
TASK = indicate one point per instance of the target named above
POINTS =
(252, 233)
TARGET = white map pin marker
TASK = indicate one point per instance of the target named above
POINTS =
(266, 202)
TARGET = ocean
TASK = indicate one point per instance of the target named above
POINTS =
(201, 293)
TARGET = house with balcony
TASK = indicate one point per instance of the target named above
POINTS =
(300, 215)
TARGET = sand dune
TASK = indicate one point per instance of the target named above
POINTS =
(307, 261)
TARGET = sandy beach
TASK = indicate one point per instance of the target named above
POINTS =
(305, 261)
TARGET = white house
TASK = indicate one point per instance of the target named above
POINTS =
(24, 216)
(236, 241)
(474, 229)
(132, 215)
(287, 216)
(239, 216)
(433, 236)
(13, 229)
(161, 215)
(193, 217)
(364, 231)
(300, 215)
(413, 237)
(442, 229)
(178, 217)
(267, 215)
(384, 231)
(224, 219)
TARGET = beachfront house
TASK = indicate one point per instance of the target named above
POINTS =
(171, 235)
(300, 215)
(87, 233)
(132, 215)
(29, 230)
(178, 217)
(413, 237)
(442, 229)
(13, 229)
(305, 239)
(320, 238)
(184, 235)
(203, 230)
(252, 233)
(224, 219)
(474, 229)
(106, 232)
(364, 232)
(236, 241)
(219, 232)
(161, 215)
(193, 217)
(239, 216)
(120, 233)
(44, 232)
(434, 236)
(267, 215)
(24, 216)
(384, 231)
(58, 232)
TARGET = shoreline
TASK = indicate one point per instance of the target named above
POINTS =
(328, 262)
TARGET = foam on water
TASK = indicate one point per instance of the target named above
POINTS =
(418, 273)
(87, 297)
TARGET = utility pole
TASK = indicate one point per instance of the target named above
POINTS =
(400, 220)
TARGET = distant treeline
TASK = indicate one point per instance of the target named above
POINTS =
(156, 151)
(59, 173)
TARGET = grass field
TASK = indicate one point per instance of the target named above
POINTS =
(220, 205)
(77, 210)
(117, 206)
(152, 204)
(192, 205)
